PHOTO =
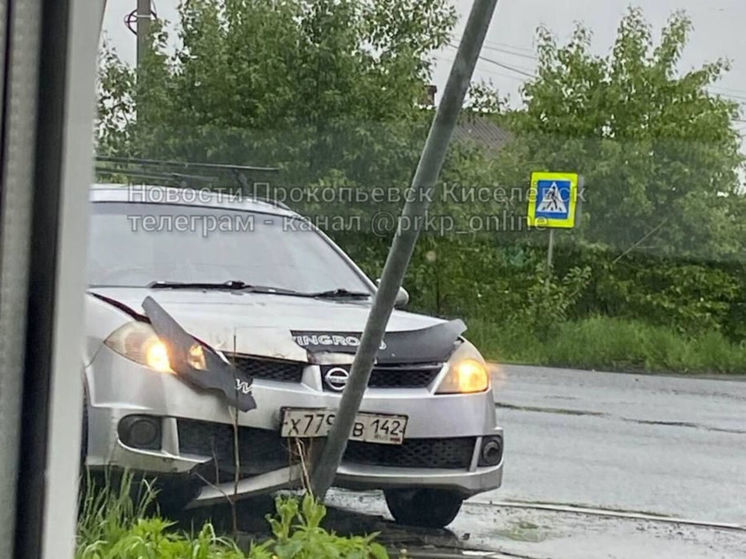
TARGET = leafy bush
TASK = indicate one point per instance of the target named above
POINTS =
(298, 534)
(689, 297)
(612, 344)
(483, 280)
(152, 538)
(114, 525)
(548, 298)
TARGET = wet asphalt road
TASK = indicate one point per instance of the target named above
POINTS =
(667, 445)
(671, 446)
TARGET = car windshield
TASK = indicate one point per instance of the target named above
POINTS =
(136, 245)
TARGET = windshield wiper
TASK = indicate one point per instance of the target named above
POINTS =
(240, 285)
(339, 293)
(230, 285)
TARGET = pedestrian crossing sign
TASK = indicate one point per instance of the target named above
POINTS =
(553, 200)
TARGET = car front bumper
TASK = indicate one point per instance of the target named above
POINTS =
(118, 388)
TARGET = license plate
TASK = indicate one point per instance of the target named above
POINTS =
(368, 427)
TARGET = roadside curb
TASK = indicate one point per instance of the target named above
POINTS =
(434, 554)
(517, 368)
(612, 514)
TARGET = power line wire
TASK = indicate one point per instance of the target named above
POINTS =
(490, 72)
(734, 94)
(508, 45)
(510, 53)
(741, 100)
(502, 65)
(508, 67)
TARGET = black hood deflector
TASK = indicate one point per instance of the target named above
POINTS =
(426, 345)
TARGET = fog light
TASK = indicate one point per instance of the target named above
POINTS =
(140, 431)
(492, 451)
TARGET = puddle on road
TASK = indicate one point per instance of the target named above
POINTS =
(523, 532)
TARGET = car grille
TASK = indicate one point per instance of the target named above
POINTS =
(414, 453)
(403, 376)
(267, 369)
(261, 450)
(418, 375)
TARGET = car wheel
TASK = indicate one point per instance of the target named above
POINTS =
(429, 508)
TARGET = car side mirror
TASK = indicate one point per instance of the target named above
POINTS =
(402, 297)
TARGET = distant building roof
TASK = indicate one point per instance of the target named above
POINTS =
(483, 131)
(472, 125)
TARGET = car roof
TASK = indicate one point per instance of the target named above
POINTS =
(206, 198)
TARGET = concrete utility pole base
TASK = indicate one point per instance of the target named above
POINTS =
(426, 176)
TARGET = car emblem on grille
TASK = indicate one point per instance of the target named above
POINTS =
(336, 378)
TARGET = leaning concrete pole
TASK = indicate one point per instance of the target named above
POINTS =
(143, 30)
(405, 239)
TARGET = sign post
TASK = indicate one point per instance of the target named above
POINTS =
(550, 255)
(553, 203)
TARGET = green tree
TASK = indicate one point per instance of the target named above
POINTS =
(326, 89)
(658, 150)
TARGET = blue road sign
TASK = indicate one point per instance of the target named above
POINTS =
(553, 200)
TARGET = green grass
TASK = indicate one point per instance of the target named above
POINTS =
(114, 524)
(612, 344)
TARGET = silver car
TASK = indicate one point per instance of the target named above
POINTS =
(220, 333)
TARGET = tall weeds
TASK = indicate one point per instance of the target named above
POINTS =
(116, 522)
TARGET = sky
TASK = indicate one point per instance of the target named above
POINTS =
(718, 33)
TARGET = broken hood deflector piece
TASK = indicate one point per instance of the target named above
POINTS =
(197, 363)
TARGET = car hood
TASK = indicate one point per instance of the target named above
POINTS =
(256, 323)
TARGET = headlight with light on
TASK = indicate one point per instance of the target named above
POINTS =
(139, 342)
(467, 372)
